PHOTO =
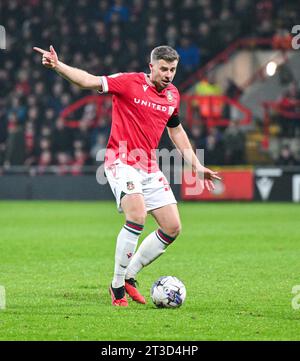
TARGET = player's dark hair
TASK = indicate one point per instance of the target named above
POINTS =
(164, 52)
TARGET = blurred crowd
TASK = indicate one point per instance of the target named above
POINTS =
(104, 37)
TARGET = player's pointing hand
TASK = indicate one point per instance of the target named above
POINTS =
(209, 177)
(49, 58)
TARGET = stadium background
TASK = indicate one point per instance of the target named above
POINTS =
(239, 81)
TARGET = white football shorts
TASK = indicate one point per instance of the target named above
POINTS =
(125, 179)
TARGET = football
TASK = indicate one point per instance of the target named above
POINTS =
(168, 292)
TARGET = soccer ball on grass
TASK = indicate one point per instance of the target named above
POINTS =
(168, 292)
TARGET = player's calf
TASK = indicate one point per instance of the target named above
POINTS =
(172, 231)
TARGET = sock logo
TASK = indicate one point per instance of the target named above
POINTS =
(129, 255)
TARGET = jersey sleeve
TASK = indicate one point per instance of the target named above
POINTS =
(174, 120)
(115, 83)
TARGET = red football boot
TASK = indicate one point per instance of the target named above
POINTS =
(118, 297)
(130, 287)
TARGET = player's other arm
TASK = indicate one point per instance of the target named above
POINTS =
(182, 143)
(76, 76)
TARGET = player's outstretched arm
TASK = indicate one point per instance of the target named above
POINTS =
(182, 143)
(76, 76)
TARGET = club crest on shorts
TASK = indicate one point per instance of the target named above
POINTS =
(130, 186)
(169, 95)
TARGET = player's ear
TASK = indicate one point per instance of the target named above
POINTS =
(150, 66)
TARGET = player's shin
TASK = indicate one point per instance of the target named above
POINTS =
(151, 248)
(126, 244)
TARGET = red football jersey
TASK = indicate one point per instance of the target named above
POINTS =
(139, 116)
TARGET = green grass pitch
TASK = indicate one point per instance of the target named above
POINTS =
(239, 262)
